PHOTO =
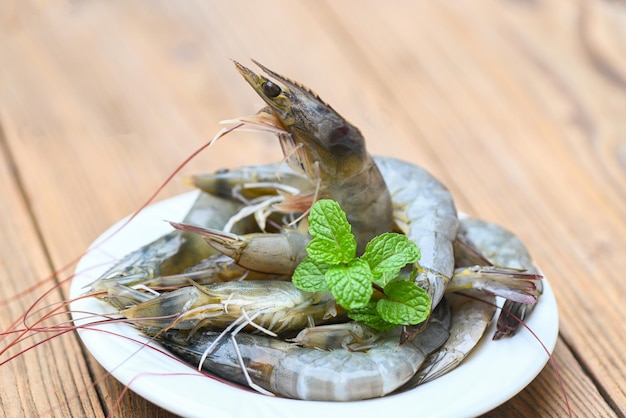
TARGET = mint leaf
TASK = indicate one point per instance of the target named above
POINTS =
(406, 303)
(350, 284)
(309, 276)
(332, 240)
(387, 254)
(369, 316)
(331, 265)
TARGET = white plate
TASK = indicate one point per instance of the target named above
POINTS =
(495, 372)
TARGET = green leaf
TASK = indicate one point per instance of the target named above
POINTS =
(310, 276)
(368, 315)
(332, 240)
(350, 284)
(387, 254)
(406, 303)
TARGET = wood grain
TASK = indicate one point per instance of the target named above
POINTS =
(517, 106)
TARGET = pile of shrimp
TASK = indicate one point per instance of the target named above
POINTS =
(216, 290)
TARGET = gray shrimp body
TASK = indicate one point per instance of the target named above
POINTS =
(471, 316)
(424, 210)
(288, 370)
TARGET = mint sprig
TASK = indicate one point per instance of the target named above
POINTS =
(332, 265)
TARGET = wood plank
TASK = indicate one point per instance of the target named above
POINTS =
(507, 121)
(32, 383)
(545, 397)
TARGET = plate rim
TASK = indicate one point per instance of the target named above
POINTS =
(245, 402)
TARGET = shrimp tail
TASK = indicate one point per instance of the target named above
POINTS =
(512, 315)
(509, 283)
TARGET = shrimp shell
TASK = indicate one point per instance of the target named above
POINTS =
(424, 210)
(285, 369)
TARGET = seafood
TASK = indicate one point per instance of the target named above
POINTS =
(204, 324)
(328, 150)
(348, 335)
(247, 183)
(179, 320)
(173, 260)
(331, 152)
(423, 210)
(274, 306)
(268, 253)
(261, 189)
(472, 316)
(288, 370)
(512, 253)
(510, 283)
(470, 320)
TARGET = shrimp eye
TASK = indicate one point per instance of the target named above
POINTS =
(271, 90)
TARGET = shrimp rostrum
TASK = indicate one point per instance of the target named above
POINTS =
(216, 291)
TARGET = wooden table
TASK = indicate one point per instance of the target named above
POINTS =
(519, 107)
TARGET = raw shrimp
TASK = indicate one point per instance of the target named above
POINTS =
(472, 316)
(278, 253)
(328, 150)
(316, 141)
(274, 306)
(423, 210)
(375, 193)
(328, 159)
(288, 370)
(247, 183)
(504, 249)
(262, 190)
(348, 335)
(510, 283)
(470, 319)
(182, 254)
